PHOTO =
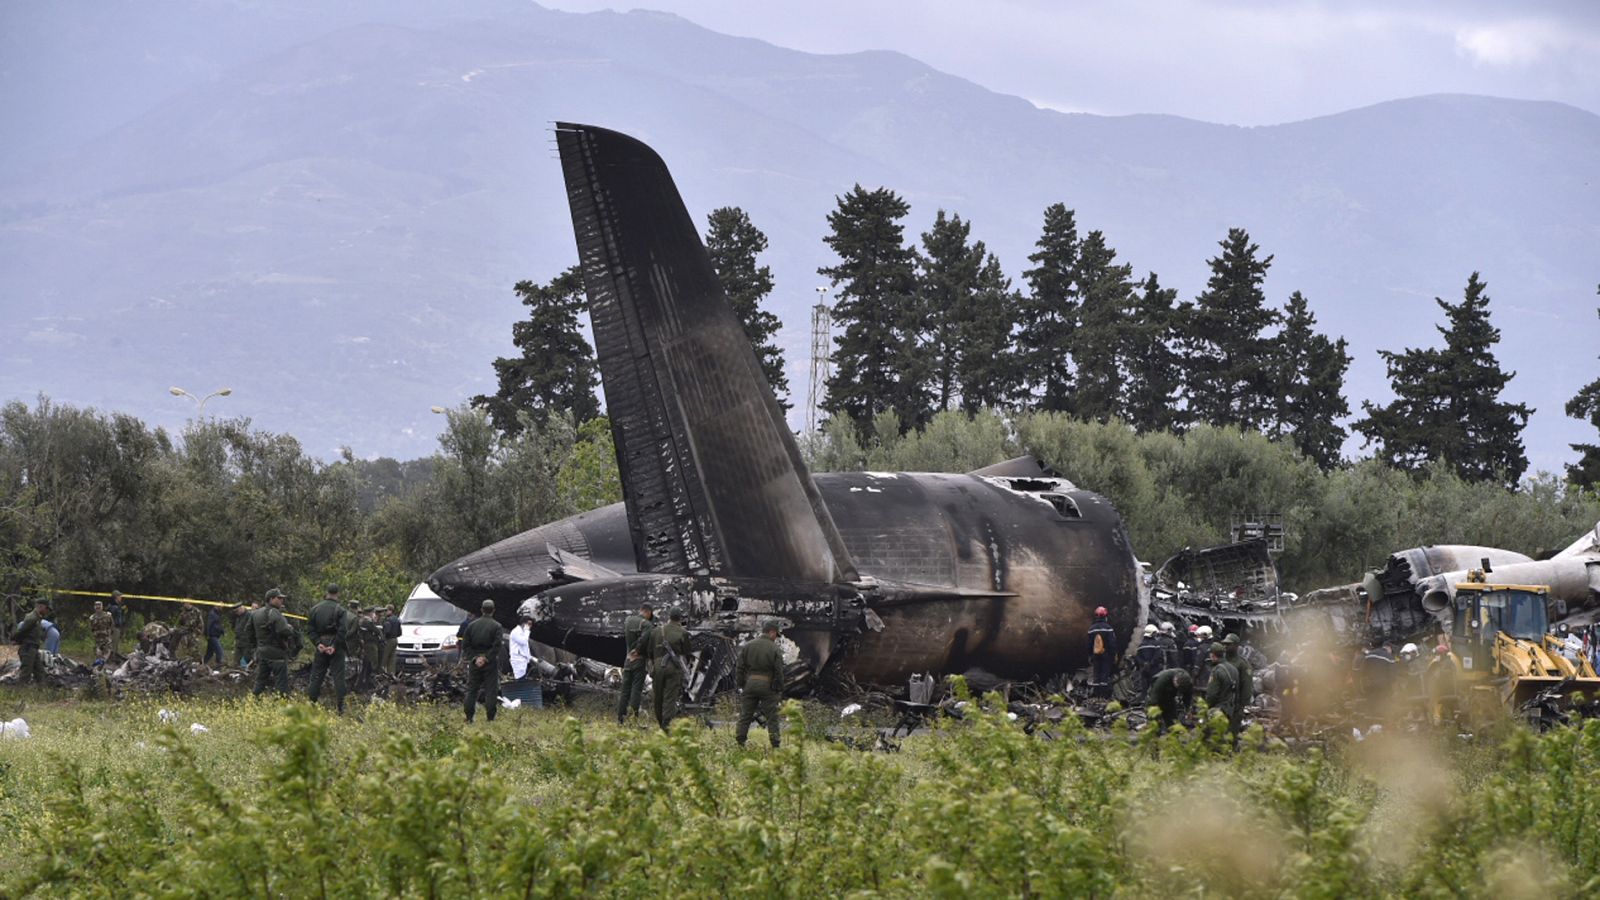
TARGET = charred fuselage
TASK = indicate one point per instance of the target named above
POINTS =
(959, 572)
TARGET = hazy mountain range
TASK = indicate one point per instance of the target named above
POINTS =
(324, 206)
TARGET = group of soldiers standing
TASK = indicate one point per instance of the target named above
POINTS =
(264, 639)
(661, 653)
(1169, 669)
(29, 634)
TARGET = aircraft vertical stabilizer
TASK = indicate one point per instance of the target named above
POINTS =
(712, 475)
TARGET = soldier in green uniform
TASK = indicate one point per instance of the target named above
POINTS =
(759, 675)
(369, 643)
(480, 648)
(1247, 687)
(104, 630)
(356, 641)
(242, 635)
(272, 638)
(328, 626)
(28, 635)
(390, 629)
(119, 617)
(1222, 689)
(192, 625)
(667, 649)
(1172, 690)
(633, 667)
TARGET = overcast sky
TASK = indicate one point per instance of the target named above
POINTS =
(1246, 62)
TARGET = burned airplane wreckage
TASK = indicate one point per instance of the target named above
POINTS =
(874, 576)
(1415, 589)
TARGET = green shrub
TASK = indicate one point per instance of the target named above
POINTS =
(287, 800)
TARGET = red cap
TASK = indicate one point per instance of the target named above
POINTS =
(1441, 650)
(1193, 628)
(1100, 611)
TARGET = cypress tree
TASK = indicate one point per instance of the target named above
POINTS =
(1154, 371)
(1310, 376)
(1105, 295)
(733, 243)
(878, 363)
(1447, 401)
(1049, 313)
(989, 375)
(948, 285)
(1226, 360)
(1586, 405)
(556, 371)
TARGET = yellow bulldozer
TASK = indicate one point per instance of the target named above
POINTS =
(1508, 658)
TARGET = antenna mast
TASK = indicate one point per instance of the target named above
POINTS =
(821, 351)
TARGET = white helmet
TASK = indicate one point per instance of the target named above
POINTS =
(1168, 627)
(1204, 632)
(1409, 651)
(1150, 630)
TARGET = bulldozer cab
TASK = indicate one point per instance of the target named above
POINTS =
(1484, 611)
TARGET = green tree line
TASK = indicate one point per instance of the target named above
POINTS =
(937, 326)
(91, 500)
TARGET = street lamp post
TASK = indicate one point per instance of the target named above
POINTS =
(199, 401)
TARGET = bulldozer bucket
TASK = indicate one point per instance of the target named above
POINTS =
(1546, 699)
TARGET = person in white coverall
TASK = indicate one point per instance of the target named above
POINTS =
(521, 653)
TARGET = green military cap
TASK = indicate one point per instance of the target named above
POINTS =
(274, 593)
(1231, 639)
(1219, 647)
(333, 589)
(771, 625)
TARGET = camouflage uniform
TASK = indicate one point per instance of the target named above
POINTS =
(104, 629)
(157, 634)
(371, 649)
(193, 624)
(28, 635)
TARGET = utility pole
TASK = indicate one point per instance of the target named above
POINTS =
(821, 352)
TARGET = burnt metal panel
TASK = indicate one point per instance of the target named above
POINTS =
(712, 476)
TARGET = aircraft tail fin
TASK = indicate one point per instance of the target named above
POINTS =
(712, 475)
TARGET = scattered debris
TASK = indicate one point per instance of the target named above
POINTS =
(197, 728)
(15, 729)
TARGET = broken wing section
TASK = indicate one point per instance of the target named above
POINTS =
(711, 474)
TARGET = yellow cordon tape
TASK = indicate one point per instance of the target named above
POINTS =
(190, 600)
